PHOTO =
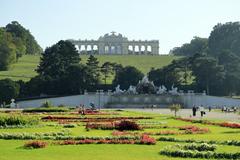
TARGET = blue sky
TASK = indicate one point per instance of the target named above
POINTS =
(172, 22)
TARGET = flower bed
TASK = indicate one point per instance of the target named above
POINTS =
(223, 124)
(101, 125)
(35, 144)
(144, 139)
(231, 125)
(194, 129)
(97, 112)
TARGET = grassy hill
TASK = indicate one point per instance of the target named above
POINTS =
(24, 68)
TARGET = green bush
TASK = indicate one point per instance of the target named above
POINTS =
(46, 104)
(229, 142)
(69, 126)
(200, 147)
(51, 109)
(17, 121)
(192, 152)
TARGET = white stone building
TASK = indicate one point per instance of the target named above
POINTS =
(116, 44)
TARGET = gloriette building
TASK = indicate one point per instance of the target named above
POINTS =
(116, 44)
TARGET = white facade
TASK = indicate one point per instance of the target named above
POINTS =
(116, 45)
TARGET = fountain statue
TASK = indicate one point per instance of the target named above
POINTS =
(118, 90)
(161, 89)
(12, 104)
(132, 90)
(174, 90)
(145, 86)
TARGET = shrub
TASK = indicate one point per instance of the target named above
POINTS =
(42, 109)
(175, 108)
(17, 121)
(146, 139)
(69, 126)
(35, 144)
(200, 147)
(127, 125)
(103, 126)
(171, 139)
(176, 151)
(46, 104)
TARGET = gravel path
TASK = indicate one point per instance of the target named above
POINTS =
(188, 112)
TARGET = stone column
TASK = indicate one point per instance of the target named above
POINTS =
(101, 48)
(86, 48)
(139, 47)
(91, 49)
(124, 48)
(110, 49)
(133, 48)
(79, 47)
(155, 48)
(146, 51)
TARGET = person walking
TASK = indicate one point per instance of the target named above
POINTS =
(202, 112)
(194, 110)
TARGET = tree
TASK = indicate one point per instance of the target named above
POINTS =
(79, 77)
(7, 50)
(107, 70)
(93, 63)
(168, 76)
(23, 39)
(225, 37)
(231, 63)
(208, 74)
(175, 108)
(8, 90)
(57, 59)
(196, 46)
(127, 76)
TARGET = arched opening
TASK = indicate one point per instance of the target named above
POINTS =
(149, 49)
(130, 49)
(95, 49)
(137, 49)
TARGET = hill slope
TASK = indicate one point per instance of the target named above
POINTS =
(24, 68)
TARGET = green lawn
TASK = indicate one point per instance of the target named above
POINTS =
(13, 149)
(24, 69)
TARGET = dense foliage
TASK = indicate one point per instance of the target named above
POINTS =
(16, 41)
(127, 76)
(196, 46)
(18, 120)
(8, 90)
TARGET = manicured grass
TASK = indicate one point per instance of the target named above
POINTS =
(24, 69)
(13, 149)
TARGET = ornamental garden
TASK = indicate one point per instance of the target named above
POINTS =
(63, 133)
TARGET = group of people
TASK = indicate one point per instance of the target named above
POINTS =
(229, 109)
(201, 109)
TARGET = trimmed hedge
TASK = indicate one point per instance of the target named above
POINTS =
(43, 109)
(60, 136)
(171, 139)
(178, 152)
